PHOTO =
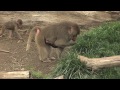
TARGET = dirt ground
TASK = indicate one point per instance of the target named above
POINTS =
(18, 59)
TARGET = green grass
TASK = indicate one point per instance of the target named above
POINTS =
(36, 74)
(98, 42)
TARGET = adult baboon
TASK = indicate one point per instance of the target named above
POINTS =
(12, 26)
(59, 35)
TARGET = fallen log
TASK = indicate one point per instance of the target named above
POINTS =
(14, 75)
(59, 77)
(97, 63)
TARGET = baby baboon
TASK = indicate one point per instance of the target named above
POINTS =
(59, 35)
(12, 26)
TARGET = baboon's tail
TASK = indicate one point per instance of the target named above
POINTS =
(2, 30)
(30, 38)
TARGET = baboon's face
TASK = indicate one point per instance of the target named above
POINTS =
(73, 33)
(19, 23)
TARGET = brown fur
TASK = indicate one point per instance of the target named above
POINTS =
(59, 35)
(12, 26)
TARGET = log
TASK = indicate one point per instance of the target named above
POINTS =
(59, 77)
(14, 75)
(97, 63)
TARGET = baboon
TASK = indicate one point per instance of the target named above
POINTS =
(12, 26)
(59, 35)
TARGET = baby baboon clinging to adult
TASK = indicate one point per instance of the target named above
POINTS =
(59, 35)
(12, 26)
